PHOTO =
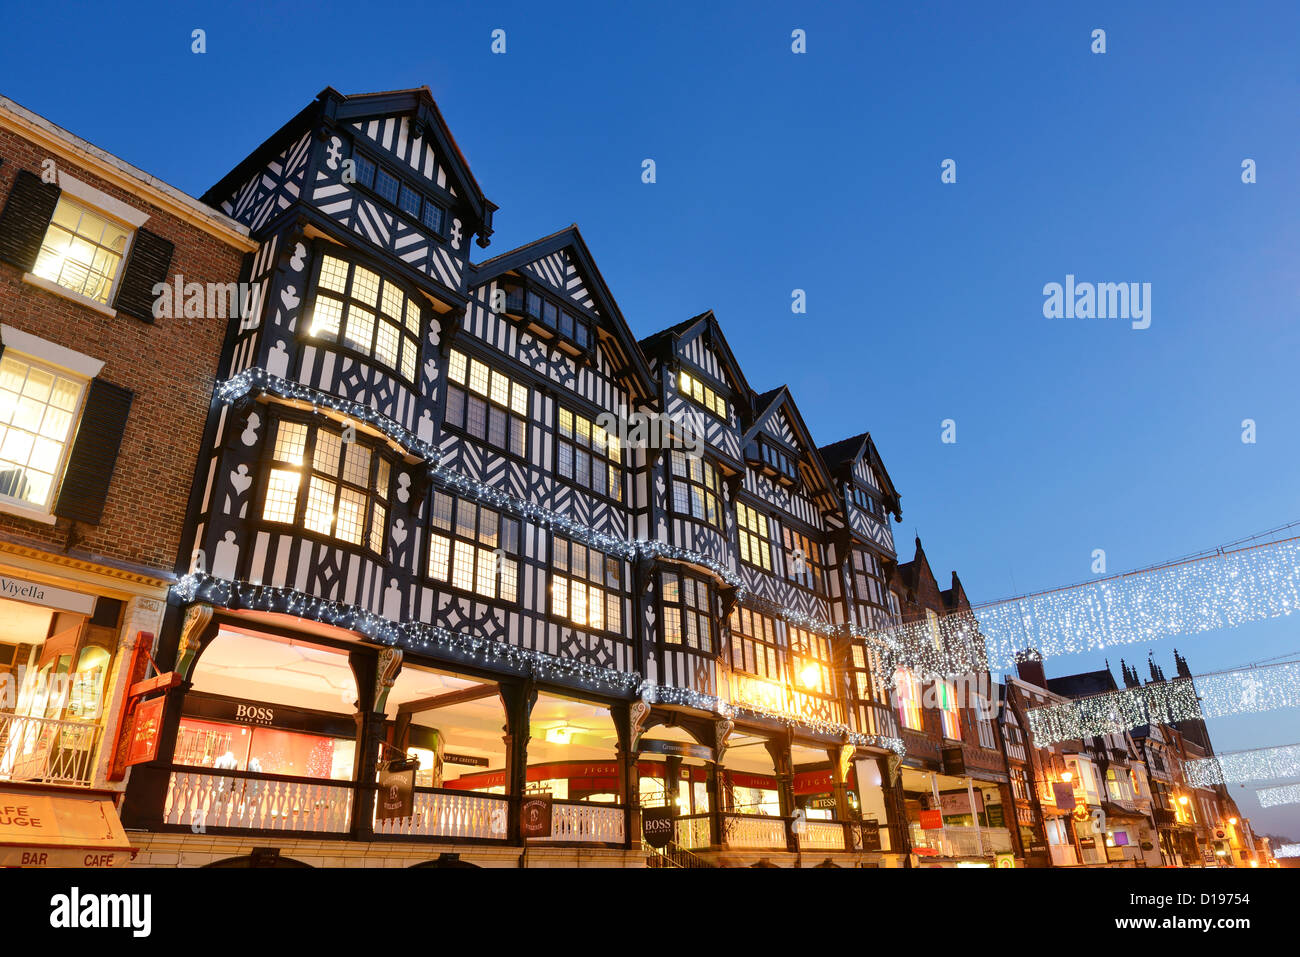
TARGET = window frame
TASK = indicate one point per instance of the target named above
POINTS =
(307, 470)
(744, 532)
(394, 205)
(462, 428)
(697, 377)
(347, 301)
(530, 289)
(86, 205)
(617, 468)
(709, 614)
(692, 484)
(15, 505)
(814, 577)
(617, 593)
(775, 650)
(514, 557)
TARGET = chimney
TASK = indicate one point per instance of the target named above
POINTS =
(1029, 667)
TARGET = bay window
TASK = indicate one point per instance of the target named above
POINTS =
(696, 488)
(688, 612)
(360, 310)
(327, 485)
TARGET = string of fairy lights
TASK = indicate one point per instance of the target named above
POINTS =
(1274, 797)
(1257, 689)
(1287, 850)
(1257, 764)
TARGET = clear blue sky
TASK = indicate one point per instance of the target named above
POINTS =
(822, 172)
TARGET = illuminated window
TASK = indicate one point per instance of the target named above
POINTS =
(486, 403)
(588, 455)
(703, 396)
(803, 559)
(696, 488)
(755, 544)
(947, 692)
(357, 308)
(755, 645)
(810, 661)
(907, 689)
(474, 548)
(38, 417)
(346, 485)
(689, 613)
(82, 251)
(586, 586)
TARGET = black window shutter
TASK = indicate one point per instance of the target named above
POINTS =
(26, 216)
(94, 453)
(151, 257)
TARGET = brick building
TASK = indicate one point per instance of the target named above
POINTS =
(102, 411)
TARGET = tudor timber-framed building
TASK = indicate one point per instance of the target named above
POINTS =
(414, 526)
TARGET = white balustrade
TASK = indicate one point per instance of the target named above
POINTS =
(47, 751)
(746, 831)
(693, 832)
(452, 814)
(202, 799)
(586, 823)
(822, 836)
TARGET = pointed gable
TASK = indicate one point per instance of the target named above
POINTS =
(698, 342)
(553, 288)
(857, 459)
(778, 443)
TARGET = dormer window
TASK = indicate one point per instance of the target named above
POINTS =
(546, 316)
(777, 462)
(386, 185)
(699, 393)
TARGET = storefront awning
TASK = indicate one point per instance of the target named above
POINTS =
(1122, 809)
(56, 830)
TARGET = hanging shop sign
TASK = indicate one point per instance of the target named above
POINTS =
(396, 797)
(18, 589)
(870, 834)
(1006, 860)
(954, 760)
(931, 820)
(466, 759)
(146, 733)
(535, 817)
(1063, 791)
(677, 748)
(995, 815)
(658, 826)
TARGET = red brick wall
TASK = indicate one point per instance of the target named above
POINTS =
(170, 366)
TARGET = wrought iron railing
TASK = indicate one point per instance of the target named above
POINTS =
(47, 751)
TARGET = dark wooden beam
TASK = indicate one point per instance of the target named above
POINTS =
(448, 699)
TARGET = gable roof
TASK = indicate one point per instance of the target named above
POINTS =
(1084, 684)
(766, 406)
(842, 455)
(337, 107)
(569, 238)
(706, 323)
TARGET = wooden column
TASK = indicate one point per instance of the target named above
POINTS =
(629, 781)
(782, 762)
(841, 757)
(370, 731)
(714, 786)
(517, 698)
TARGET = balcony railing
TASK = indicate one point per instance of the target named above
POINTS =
(579, 822)
(693, 832)
(755, 831)
(46, 751)
(822, 836)
(452, 814)
(203, 798)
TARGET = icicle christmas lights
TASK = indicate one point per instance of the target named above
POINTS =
(685, 697)
(1287, 850)
(1245, 690)
(1114, 712)
(1259, 764)
(1273, 797)
(1206, 594)
(416, 636)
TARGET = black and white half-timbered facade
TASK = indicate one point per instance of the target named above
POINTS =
(468, 567)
